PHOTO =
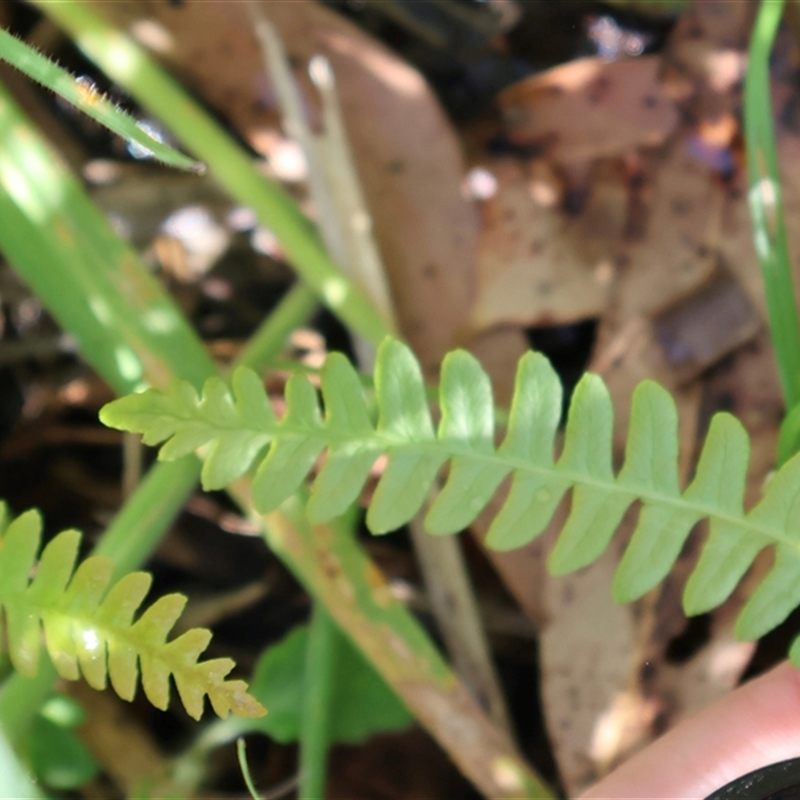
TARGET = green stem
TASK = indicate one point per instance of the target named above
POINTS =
(766, 202)
(137, 529)
(126, 63)
(296, 307)
(320, 680)
(241, 752)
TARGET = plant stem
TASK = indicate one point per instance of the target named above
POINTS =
(357, 597)
(141, 522)
(241, 752)
(262, 347)
(766, 203)
(320, 682)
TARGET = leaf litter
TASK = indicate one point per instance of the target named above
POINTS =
(602, 189)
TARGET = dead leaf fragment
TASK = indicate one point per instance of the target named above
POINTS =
(538, 265)
(590, 108)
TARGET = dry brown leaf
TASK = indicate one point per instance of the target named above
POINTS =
(587, 652)
(538, 265)
(701, 329)
(590, 108)
(675, 252)
(705, 55)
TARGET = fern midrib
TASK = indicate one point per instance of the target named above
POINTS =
(586, 479)
(388, 443)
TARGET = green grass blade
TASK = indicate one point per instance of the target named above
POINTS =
(766, 202)
(321, 656)
(83, 95)
(89, 278)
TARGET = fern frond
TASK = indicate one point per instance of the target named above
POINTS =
(240, 430)
(89, 628)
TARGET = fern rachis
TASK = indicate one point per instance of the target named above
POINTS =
(237, 428)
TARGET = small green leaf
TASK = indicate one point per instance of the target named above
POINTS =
(363, 703)
(775, 598)
(530, 505)
(651, 467)
(535, 412)
(230, 457)
(595, 512)
(724, 560)
(722, 470)
(403, 487)
(291, 456)
(252, 402)
(400, 392)
(58, 757)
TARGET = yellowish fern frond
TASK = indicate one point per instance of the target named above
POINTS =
(89, 628)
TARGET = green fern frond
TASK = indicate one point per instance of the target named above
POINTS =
(89, 628)
(239, 429)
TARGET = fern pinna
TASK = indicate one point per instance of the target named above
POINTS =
(236, 428)
(89, 627)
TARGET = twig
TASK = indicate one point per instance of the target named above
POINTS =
(361, 258)
(294, 123)
(456, 611)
